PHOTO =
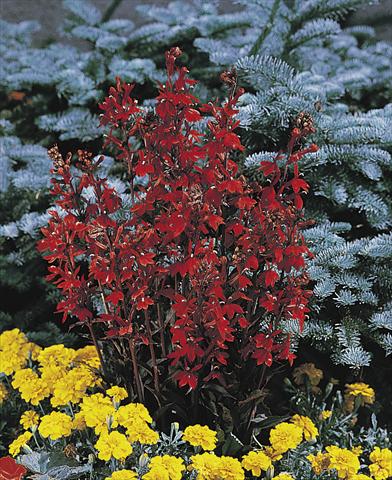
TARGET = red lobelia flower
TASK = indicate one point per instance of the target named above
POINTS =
(204, 265)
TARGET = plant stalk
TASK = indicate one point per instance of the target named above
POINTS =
(136, 373)
(97, 348)
(155, 370)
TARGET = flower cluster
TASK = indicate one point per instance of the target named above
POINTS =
(61, 374)
(351, 459)
(20, 442)
(124, 430)
(55, 425)
(203, 260)
(199, 436)
(381, 463)
(122, 438)
(209, 466)
(16, 351)
(346, 463)
(165, 466)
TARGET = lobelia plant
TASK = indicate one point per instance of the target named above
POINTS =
(195, 281)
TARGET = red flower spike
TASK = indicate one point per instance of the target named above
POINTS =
(202, 254)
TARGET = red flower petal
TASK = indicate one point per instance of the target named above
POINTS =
(10, 470)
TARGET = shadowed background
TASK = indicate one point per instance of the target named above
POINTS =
(49, 14)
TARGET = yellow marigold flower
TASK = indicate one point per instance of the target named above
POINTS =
(325, 414)
(51, 374)
(42, 391)
(204, 465)
(343, 461)
(200, 436)
(15, 349)
(230, 469)
(360, 476)
(118, 393)
(19, 442)
(113, 444)
(135, 418)
(123, 475)
(309, 429)
(29, 419)
(102, 428)
(127, 414)
(283, 476)
(165, 467)
(57, 355)
(285, 436)
(381, 466)
(12, 362)
(72, 386)
(25, 375)
(156, 474)
(12, 340)
(256, 462)
(320, 462)
(3, 392)
(12, 337)
(354, 390)
(307, 370)
(55, 425)
(32, 388)
(89, 356)
(141, 432)
(366, 392)
(34, 392)
(97, 410)
(211, 467)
